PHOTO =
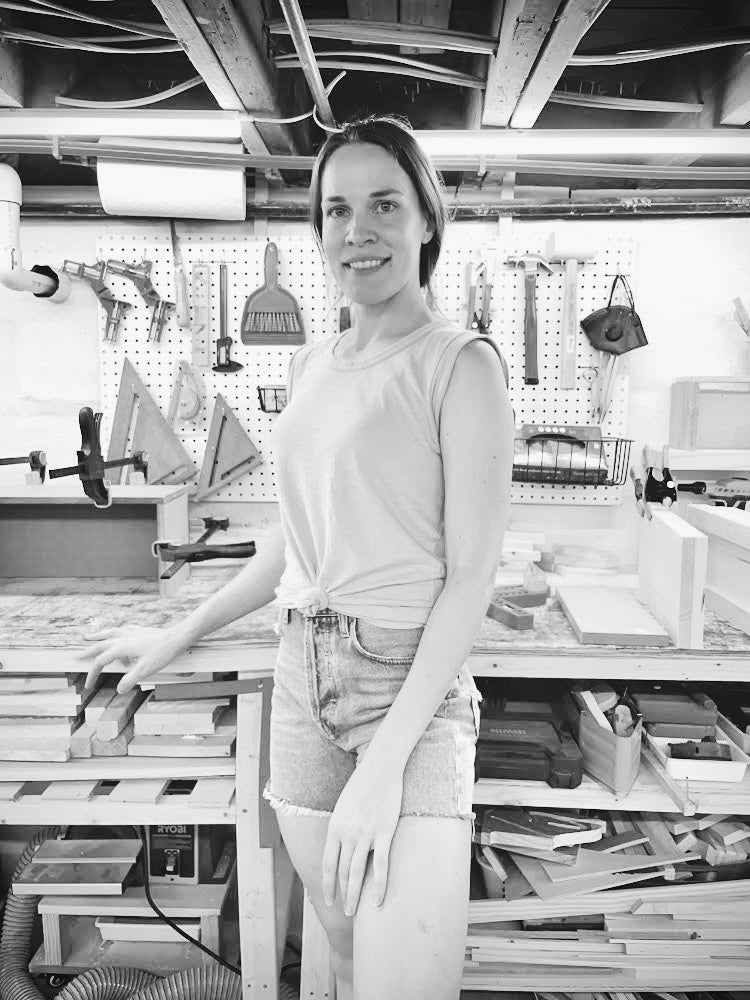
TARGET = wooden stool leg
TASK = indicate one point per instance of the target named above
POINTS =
(318, 981)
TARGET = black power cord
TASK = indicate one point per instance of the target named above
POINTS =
(141, 831)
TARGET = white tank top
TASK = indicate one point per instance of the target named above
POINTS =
(360, 473)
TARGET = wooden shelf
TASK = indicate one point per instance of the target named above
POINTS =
(646, 795)
(603, 664)
(704, 461)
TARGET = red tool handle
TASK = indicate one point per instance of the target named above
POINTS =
(531, 373)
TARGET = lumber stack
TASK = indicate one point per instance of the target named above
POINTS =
(38, 715)
(625, 911)
(198, 727)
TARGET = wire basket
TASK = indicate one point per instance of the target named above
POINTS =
(567, 460)
(272, 398)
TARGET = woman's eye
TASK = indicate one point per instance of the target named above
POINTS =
(337, 212)
(386, 207)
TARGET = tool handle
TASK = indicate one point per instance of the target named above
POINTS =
(569, 327)
(531, 373)
(271, 265)
(698, 487)
(181, 297)
(197, 552)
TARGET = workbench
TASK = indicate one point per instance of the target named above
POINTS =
(43, 632)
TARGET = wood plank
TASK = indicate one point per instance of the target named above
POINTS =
(218, 744)
(609, 616)
(186, 723)
(32, 750)
(618, 842)
(212, 792)
(145, 929)
(573, 20)
(40, 729)
(100, 851)
(121, 767)
(523, 30)
(728, 523)
(10, 790)
(672, 550)
(591, 863)
(70, 791)
(20, 683)
(546, 889)
(736, 614)
(72, 879)
(138, 790)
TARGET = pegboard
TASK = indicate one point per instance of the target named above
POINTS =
(301, 273)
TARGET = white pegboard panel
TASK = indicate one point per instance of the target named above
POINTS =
(301, 273)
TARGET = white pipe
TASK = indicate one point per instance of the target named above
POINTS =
(12, 274)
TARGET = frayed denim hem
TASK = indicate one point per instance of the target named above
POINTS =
(289, 808)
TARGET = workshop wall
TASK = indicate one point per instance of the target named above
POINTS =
(686, 273)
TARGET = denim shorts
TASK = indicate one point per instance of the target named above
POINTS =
(335, 678)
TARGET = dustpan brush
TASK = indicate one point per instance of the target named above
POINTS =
(271, 314)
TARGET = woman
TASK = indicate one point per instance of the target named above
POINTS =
(395, 457)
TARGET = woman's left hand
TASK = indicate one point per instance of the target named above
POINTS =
(364, 820)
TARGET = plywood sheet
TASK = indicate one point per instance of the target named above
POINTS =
(672, 576)
(609, 616)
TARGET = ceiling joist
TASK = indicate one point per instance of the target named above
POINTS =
(226, 48)
(523, 30)
(573, 20)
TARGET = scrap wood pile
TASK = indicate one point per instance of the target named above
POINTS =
(52, 717)
(615, 900)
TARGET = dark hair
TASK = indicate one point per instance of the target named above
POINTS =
(393, 134)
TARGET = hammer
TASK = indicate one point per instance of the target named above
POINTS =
(531, 263)
(570, 256)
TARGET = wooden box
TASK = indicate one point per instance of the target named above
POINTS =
(55, 531)
(614, 760)
(710, 412)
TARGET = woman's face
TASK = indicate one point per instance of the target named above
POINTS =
(373, 228)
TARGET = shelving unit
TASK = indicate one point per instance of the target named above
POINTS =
(249, 646)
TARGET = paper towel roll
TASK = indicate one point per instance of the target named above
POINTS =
(171, 190)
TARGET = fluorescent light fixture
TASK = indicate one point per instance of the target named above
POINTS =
(585, 143)
(42, 122)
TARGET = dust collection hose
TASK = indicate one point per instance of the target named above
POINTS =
(208, 982)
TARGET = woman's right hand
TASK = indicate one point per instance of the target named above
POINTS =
(142, 651)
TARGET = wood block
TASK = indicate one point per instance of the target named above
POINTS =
(118, 747)
(72, 879)
(731, 832)
(609, 616)
(672, 576)
(102, 697)
(80, 741)
(59, 702)
(618, 842)
(94, 851)
(118, 713)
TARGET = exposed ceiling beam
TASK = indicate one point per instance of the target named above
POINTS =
(231, 58)
(372, 10)
(523, 29)
(429, 13)
(734, 106)
(11, 76)
(573, 20)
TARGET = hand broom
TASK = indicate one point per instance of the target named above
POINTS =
(271, 314)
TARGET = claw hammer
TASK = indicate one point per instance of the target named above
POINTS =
(531, 263)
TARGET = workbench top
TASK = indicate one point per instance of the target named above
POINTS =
(69, 609)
